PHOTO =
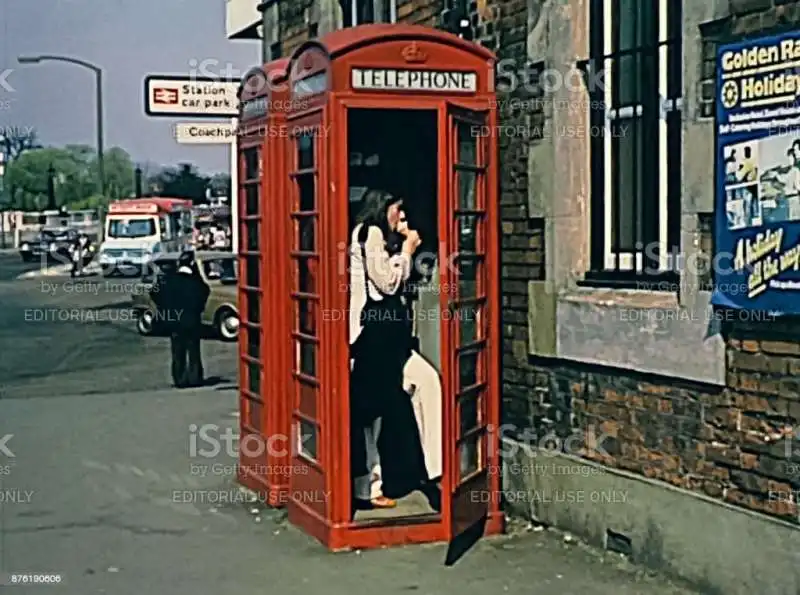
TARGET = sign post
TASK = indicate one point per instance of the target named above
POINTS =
(757, 137)
(234, 197)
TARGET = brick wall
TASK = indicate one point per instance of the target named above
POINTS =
(763, 375)
(757, 16)
(725, 443)
(294, 28)
(293, 25)
(419, 12)
(733, 443)
(520, 113)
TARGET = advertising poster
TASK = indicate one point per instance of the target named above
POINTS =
(757, 244)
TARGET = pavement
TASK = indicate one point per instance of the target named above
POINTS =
(101, 490)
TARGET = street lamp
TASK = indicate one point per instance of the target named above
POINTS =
(51, 187)
(137, 180)
(98, 72)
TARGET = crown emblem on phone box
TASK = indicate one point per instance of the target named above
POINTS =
(413, 54)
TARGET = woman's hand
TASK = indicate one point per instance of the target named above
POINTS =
(412, 242)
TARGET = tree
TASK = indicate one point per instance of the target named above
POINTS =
(27, 174)
(15, 140)
(76, 179)
(118, 171)
(182, 182)
(220, 185)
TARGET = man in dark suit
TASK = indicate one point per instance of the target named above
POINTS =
(181, 297)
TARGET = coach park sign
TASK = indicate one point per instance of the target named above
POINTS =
(197, 98)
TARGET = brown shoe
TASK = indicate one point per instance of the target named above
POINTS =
(383, 502)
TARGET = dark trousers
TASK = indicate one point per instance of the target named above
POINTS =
(77, 265)
(187, 365)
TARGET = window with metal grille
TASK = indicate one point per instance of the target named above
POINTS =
(635, 84)
(360, 12)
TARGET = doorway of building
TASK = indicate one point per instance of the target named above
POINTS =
(396, 151)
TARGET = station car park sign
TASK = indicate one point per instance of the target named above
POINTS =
(205, 133)
(173, 96)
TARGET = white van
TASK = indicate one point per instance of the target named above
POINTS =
(137, 230)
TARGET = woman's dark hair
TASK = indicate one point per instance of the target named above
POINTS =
(376, 203)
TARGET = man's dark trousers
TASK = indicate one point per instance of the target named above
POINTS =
(187, 365)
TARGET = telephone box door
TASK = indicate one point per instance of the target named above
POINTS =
(468, 326)
(308, 477)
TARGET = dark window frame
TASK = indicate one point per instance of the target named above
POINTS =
(367, 12)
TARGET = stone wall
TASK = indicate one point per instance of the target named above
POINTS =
(733, 443)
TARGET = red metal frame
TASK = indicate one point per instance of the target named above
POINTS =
(319, 492)
(267, 472)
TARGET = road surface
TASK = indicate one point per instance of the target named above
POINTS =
(103, 494)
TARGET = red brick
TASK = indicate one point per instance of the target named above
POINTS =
(781, 507)
(735, 496)
(750, 346)
(749, 382)
(776, 486)
(748, 461)
(780, 347)
(758, 404)
(610, 427)
(653, 389)
(613, 396)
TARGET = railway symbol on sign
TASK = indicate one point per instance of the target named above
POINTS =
(165, 96)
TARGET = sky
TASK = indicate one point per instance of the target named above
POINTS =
(128, 39)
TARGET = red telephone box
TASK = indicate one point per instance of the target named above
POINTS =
(409, 110)
(264, 418)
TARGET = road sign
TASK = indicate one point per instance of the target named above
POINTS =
(172, 96)
(205, 133)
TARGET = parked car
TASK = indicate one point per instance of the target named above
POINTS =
(219, 269)
(52, 244)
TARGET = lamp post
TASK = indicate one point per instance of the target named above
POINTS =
(51, 188)
(98, 72)
(138, 182)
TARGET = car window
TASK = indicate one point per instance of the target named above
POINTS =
(228, 267)
(220, 268)
(212, 269)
